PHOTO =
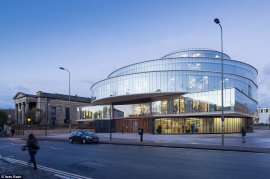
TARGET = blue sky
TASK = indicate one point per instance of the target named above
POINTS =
(92, 38)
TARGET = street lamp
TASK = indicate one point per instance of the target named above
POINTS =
(47, 116)
(216, 20)
(62, 68)
(111, 113)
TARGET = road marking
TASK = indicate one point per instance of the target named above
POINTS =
(55, 148)
(58, 172)
(10, 139)
(61, 176)
(10, 156)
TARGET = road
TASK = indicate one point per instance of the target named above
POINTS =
(123, 161)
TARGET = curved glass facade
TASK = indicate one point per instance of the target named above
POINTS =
(170, 81)
(197, 53)
(190, 64)
(194, 73)
(179, 74)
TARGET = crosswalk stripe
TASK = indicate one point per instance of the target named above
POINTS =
(59, 172)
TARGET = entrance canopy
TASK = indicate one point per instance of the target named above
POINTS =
(134, 98)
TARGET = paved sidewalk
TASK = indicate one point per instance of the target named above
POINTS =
(21, 171)
(258, 141)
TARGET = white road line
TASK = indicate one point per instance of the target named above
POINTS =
(10, 139)
(61, 176)
(10, 156)
(55, 148)
(59, 172)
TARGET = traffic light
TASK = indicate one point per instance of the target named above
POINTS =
(28, 121)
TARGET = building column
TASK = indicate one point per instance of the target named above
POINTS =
(151, 125)
(27, 107)
(16, 114)
(23, 113)
(20, 113)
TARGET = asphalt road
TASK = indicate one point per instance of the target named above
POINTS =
(122, 161)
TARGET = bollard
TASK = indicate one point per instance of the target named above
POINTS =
(140, 132)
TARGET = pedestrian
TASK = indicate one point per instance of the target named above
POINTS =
(32, 147)
(12, 131)
(243, 131)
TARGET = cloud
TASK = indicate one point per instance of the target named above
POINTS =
(7, 93)
(266, 69)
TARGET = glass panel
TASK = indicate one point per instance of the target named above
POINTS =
(132, 110)
(95, 112)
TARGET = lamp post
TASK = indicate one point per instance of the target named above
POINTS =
(62, 68)
(216, 20)
(111, 113)
(47, 116)
(28, 125)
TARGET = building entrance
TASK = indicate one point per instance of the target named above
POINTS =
(193, 125)
(131, 125)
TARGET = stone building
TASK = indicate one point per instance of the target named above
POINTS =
(49, 108)
(263, 115)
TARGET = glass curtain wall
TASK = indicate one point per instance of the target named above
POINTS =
(94, 112)
(119, 111)
(170, 81)
(196, 102)
(194, 125)
(209, 101)
(131, 110)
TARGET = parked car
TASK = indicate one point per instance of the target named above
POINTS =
(83, 137)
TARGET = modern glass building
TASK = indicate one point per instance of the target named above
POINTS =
(178, 93)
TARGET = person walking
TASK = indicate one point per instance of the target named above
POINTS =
(32, 147)
(243, 131)
(12, 131)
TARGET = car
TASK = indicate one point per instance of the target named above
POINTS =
(83, 137)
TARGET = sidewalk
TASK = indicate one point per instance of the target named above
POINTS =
(258, 141)
(21, 171)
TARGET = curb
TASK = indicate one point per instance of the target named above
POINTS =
(173, 145)
(195, 146)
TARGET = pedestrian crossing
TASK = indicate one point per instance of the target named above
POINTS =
(57, 173)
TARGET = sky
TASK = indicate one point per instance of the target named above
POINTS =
(92, 38)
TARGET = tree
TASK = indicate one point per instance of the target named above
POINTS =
(3, 118)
